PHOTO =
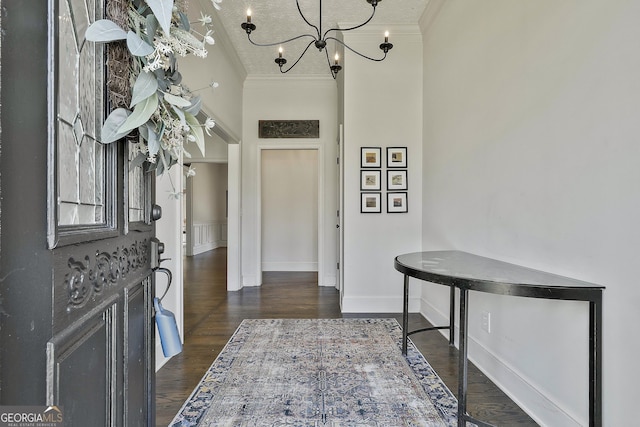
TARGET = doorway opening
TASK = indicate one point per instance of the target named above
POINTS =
(290, 213)
(205, 210)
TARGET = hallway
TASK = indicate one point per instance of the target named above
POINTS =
(212, 315)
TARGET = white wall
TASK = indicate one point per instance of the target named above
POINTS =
(382, 107)
(206, 216)
(234, 231)
(289, 200)
(225, 105)
(169, 232)
(531, 155)
(215, 150)
(221, 65)
(209, 187)
(283, 98)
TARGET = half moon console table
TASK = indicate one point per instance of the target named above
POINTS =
(469, 272)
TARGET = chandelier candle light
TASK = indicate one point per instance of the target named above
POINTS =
(319, 40)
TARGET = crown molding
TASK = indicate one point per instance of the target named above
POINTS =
(306, 78)
(379, 29)
(430, 14)
(222, 37)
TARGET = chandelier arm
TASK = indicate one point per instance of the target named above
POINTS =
(299, 58)
(306, 20)
(333, 73)
(281, 42)
(356, 52)
(352, 28)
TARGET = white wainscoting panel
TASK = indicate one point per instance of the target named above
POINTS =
(208, 236)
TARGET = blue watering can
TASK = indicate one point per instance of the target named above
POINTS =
(166, 322)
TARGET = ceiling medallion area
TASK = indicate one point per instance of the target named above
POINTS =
(319, 39)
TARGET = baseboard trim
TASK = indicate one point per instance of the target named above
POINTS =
(289, 266)
(208, 247)
(543, 410)
(328, 281)
(250, 280)
(160, 359)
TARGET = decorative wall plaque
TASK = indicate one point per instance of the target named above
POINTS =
(289, 128)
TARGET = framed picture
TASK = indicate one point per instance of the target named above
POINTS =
(396, 157)
(370, 202)
(370, 157)
(397, 202)
(370, 180)
(397, 179)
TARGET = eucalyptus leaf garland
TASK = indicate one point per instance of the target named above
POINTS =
(162, 109)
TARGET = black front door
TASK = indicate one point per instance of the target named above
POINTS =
(76, 319)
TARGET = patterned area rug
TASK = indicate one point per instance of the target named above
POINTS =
(320, 373)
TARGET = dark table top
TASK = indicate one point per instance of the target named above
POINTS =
(473, 272)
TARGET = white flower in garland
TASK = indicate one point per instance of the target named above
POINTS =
(204, 19)
(201, 53)
(162, 109)
(208, 125)
(208, 38)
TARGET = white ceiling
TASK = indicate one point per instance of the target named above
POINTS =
(278, 20)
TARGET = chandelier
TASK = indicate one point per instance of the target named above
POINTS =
(319, 40)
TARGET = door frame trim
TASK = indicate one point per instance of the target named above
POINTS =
(321, 204)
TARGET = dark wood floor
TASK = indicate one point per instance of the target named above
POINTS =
(212, 315)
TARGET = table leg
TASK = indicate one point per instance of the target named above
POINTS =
(595, 362)
(405, 315)
(452, 314)
(462, 359)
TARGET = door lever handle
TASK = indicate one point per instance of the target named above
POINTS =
(157, 249)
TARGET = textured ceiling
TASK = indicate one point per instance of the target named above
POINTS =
(278, 20)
